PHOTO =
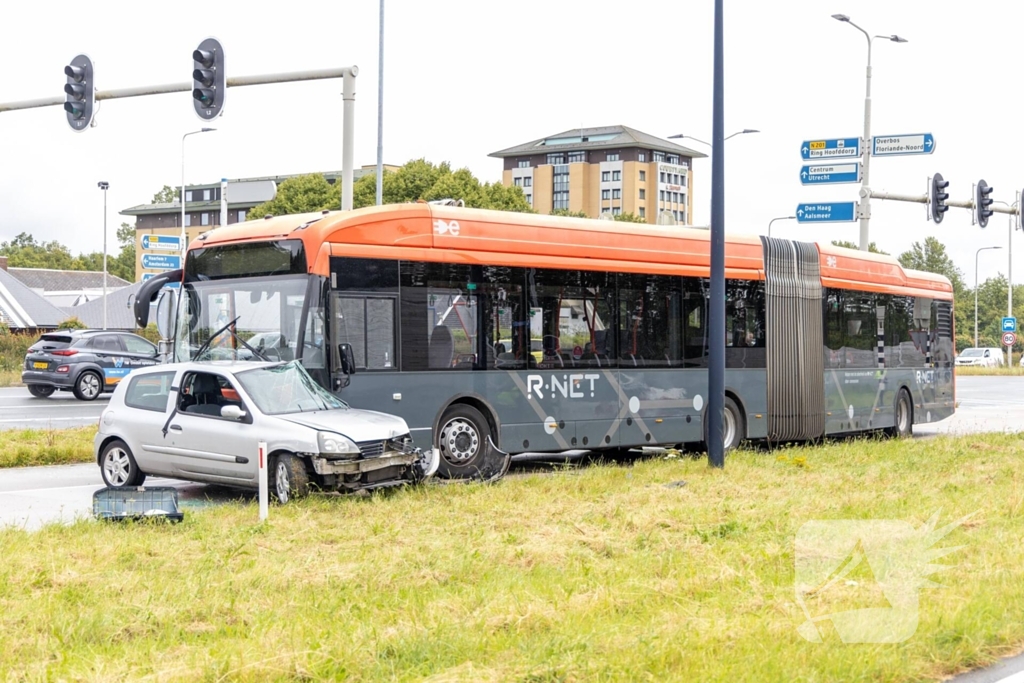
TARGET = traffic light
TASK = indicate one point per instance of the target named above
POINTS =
(938, 197)
(209, 82)
(81, 93)
(982, 201)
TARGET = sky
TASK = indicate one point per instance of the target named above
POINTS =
(463, 78)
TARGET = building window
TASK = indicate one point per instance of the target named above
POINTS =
(616, 193)
(241, 216)
(529, 199)
(661, 194)
(605, 176)
(661, 177)
(524, 163)
(188, 195)
(673, 158)
(658, 156)
(641, 157)
(556, 159)
(527, 181)
(560, 200)
(577, 157)
(643, 193)
(204, 219)
(518, 182)
(188, 220)
(206, 195)
(606, 194)
(560, 187)
(613, 157)
(643, 174)
(616, 175)
(640, 211)
(617, 211)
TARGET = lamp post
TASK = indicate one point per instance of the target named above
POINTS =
(184, 243)
(745, 131)
(865, 186)
(976, 292)
(380, 110)
(780, 218)
(103, 185)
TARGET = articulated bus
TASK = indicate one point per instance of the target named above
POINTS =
(496, 333)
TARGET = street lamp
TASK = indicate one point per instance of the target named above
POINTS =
(780, 218)
(865, 188)
(183, 241)
(976, 292)
(103, 185)
(745, 131)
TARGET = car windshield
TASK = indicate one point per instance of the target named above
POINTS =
(971, 353)
(285, 389)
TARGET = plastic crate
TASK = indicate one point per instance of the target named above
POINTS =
(137, 502)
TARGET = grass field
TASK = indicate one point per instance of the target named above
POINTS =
(967, 371)
(601, 573)
(29, 447)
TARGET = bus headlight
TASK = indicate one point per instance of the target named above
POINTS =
(336, 444)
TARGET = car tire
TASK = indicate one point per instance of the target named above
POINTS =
(40, 390)
(290, 479)
(88, 386)
(903, 416)
(734, 426)
(464, 441)
(118, 467)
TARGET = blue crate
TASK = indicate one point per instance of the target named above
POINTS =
(137, 502)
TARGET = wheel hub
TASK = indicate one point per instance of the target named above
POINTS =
(459, 441)
(282, 483)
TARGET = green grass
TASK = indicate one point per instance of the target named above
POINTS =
(968, 371)
(29, 447)
(594, 574)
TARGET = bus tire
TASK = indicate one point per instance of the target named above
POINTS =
(903, 416)
(464, 441)
(734, 426)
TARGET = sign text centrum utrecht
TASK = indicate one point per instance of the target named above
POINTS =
(830, 149)
(829, 174)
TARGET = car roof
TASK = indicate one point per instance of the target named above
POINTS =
(91, 332)
(226, 366)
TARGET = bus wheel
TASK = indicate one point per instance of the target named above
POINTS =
(734, 426)
(464, 441)
(903, 422)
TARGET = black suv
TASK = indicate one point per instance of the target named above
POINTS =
(87, 362)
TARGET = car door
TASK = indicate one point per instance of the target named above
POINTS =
(208, 447)
(139, 353)
(110, 357)
(147, 407)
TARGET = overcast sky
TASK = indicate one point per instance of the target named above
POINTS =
(466, 77)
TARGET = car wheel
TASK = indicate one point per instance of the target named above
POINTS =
(464, 441)
(118, 466)
(40, 390)
(290, 478)
(903, 416)
(734, 426)
(88, 386)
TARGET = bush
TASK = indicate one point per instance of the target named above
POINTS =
(13, 347)
(72, 323)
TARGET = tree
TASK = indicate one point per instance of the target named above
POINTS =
(123, 265)
(570, 214)
(302, 194)
(24, 252)
(167, 195)
(872, 247)
(72, 323)
(931, 257)
(629, 217)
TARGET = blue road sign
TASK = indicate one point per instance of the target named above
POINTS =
(829, 174)
(161, 261)
(830, 149)
(169, 285)
(899, 145)
(161, 242)
(1009, 324)
(834, 212)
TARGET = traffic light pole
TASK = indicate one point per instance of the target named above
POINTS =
(347, 73)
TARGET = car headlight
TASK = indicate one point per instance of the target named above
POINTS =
(336, 444)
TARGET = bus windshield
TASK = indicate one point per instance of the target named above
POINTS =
(267, 313)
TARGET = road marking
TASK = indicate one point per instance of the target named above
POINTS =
(89, 418)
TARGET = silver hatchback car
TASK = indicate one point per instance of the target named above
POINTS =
(202, 421)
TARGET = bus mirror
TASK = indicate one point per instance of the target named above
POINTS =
(348, 359)
(165, 306)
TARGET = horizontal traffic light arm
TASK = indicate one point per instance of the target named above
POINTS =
(923, 199)
(239, 81)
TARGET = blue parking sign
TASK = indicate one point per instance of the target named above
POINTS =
(1009, 324)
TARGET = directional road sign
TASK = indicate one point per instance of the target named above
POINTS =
(169, 285)
(898, 145)
(834, 173)
(161, 242)
(830, 149)
(1009, 324)
(161, 261)
(834, 212)
(1009, 339)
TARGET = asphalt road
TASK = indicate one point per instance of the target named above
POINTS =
(30, 497)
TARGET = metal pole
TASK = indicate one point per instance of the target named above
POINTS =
(780, 218)
(347, 137)
(380, 111)
(865, 183)
(104, 186)
(716, 306)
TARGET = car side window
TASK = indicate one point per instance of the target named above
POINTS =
(204, 393)
(106, 343)
(134, 344)
(986, 354)
(149, 392)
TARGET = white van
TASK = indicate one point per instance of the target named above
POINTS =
(986, 357)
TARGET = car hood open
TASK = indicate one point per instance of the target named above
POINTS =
(358, 425)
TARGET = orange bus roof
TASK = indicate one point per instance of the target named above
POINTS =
(478, 236)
